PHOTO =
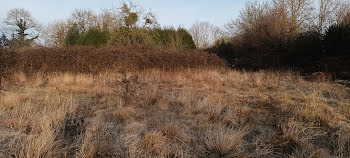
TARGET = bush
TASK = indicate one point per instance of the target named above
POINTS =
(72, 36)
(186, 39)
(85, 59)
(225, 50)
(337, 39)
(305, 49)
(132, 36)
(167, 38)
(171, 38)
(6, 62)
(93, 37)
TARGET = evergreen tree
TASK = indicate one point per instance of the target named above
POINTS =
(93, 37)
(72, 36)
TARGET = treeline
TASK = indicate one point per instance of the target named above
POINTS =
(306, 35)
(168, 38)
(118, 39)
(128, 25)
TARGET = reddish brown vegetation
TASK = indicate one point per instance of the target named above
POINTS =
(94, 60)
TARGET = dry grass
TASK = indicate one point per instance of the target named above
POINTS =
(187, 113)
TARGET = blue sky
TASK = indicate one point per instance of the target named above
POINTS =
(169, 12)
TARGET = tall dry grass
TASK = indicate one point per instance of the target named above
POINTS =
(187, 113)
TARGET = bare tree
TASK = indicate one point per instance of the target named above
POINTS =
(346, 19)
(343, 13)
(298, 14)
(327, 13)
(23, 27)
(259, 26)
(150, 20)
(272, 24)
(133, 15)
(205, 34)
(249, 18)
(84, 19)
(109, 19)
(55, 33)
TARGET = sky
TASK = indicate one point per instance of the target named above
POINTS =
(169, 12)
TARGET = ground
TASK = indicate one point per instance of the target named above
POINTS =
(183, 113)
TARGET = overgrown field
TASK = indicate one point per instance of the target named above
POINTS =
(182, 113)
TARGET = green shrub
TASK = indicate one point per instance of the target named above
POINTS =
(169, 38)
(93, 37)
(186, 39)
(132, 36)
(72, 36)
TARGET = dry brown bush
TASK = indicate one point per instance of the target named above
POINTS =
(111, 58)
